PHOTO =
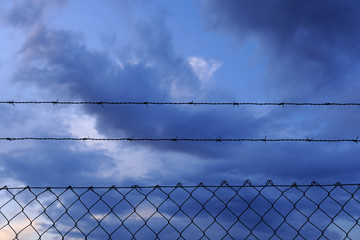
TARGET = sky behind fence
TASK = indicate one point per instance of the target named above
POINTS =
(213, 75)
(187, 91)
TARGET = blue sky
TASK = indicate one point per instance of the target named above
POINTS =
(246, 51)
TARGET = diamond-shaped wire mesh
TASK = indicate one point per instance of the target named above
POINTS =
(182, 212)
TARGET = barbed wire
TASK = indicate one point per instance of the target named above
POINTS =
(147, 103)
(176, 139)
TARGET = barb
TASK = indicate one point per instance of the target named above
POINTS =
(176, 139)
(192, 103)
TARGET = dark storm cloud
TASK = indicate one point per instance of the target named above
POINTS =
(59, 61)
(52, 164)
(282, 163)
(25, 13)
(313, 45)
(311, 49)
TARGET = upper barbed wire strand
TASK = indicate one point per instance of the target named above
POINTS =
(182, 103)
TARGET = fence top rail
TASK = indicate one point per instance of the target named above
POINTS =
(223, 184)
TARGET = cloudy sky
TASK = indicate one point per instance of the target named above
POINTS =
(203, 50)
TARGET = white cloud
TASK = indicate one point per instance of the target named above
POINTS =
(129, 161)
(120, 64)
(204, 69)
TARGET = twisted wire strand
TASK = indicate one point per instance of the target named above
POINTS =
(356, 140)
(182, 103)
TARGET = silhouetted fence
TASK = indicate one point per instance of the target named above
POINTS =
(182, 212)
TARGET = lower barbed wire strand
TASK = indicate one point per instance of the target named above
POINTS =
(182, 103)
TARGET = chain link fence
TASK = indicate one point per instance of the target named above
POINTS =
(182, 212)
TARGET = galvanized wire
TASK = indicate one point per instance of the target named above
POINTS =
(246, 211)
